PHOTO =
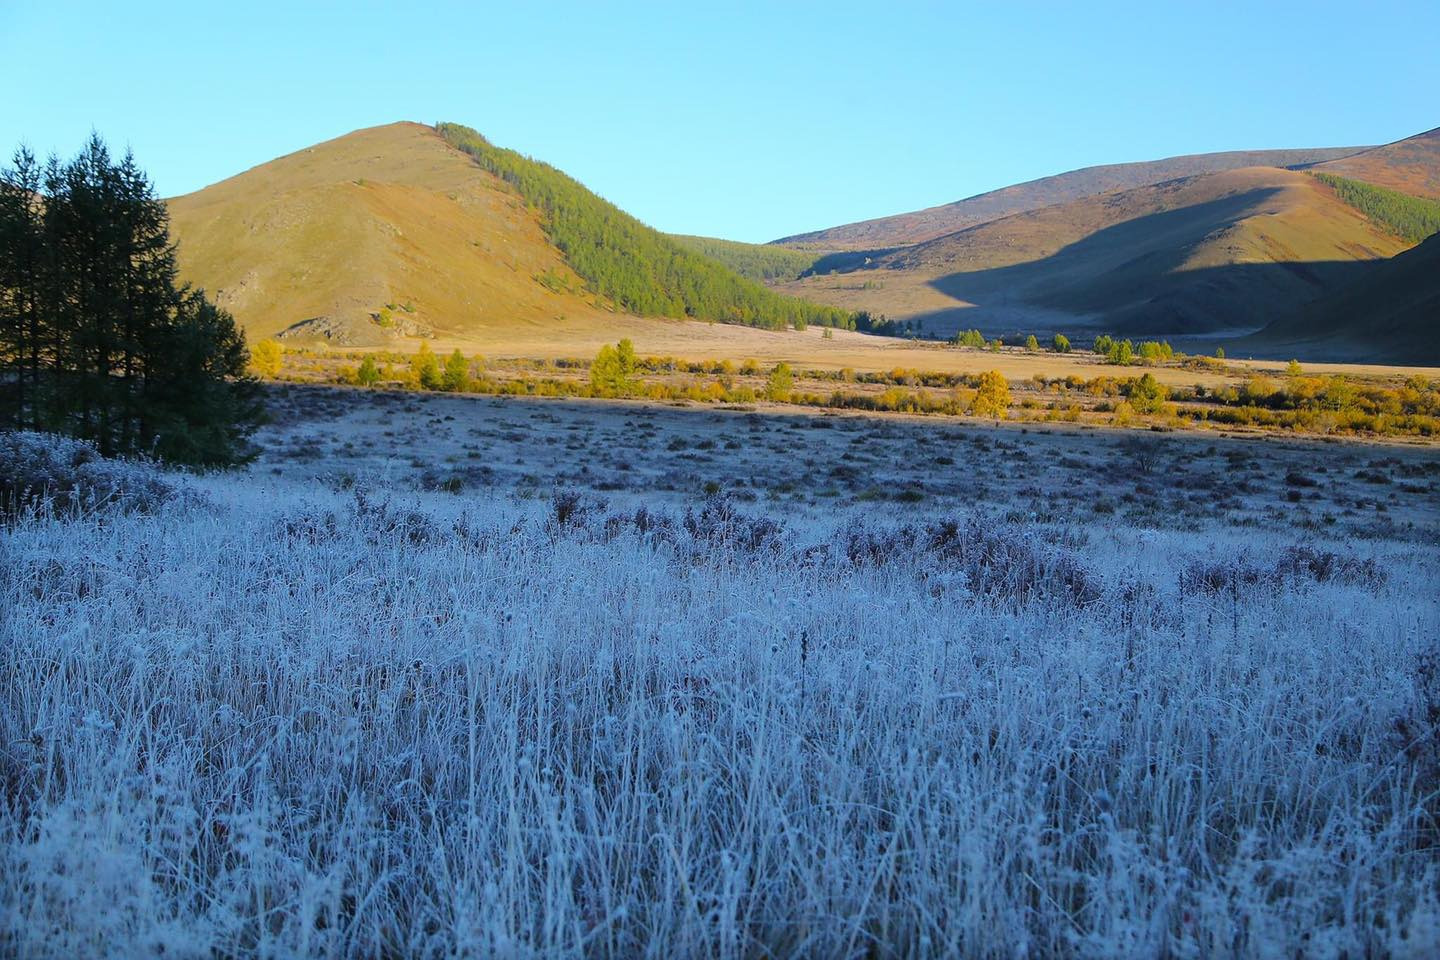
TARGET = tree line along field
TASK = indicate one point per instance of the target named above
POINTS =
(1148, 391)
(252, 714)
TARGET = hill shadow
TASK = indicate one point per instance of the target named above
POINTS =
(1141, 246)
(1127, 278)
(1234, 300)
(846, 261)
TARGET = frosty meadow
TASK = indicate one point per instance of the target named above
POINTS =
(252, 716)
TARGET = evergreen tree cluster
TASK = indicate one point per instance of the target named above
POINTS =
(635, 267)
(1411, 218)
(760, 262)
(97, 340)
(880, 324)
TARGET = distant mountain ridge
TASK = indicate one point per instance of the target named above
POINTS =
(1410, 166)
(762, 262)
(921, 225)
(628, 263)
(1216, 252)
(1219, 253)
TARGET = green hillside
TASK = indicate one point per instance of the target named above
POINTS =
(1413, 218)
(633, 266)
(761, 262)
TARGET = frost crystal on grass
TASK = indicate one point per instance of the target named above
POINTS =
(425, 730)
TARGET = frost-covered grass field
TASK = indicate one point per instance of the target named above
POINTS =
(254, 717)
(797, 462)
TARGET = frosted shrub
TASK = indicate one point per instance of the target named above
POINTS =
(1000, 561)
(719, 524)
(370, 728)
(1296, 563)
(46, 470)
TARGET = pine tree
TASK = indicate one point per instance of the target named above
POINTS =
(1151, 351)
(625, 356)
(612, 372)
(1148, 395)
(201, 404)
(22, 256)
(97, 339)
(604, 370)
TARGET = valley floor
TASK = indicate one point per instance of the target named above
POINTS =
(451, 676)
(797, 460)
(692, 340)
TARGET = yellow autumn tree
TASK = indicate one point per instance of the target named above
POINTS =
(265, 359)
(992, 398)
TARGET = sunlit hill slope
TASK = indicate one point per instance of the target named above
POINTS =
(1411, 165)
(1220, 251)
(405, 230)
(920, 225)
(319, 242)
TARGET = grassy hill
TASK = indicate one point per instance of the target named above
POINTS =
(1411, 166)
(392, 232)
(762, 262)
(1219, 251)
(407, 231)
(1389, 314)
(922, 225)
(629, 264)
(319, 242)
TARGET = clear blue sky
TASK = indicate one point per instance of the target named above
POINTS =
(741, 120)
